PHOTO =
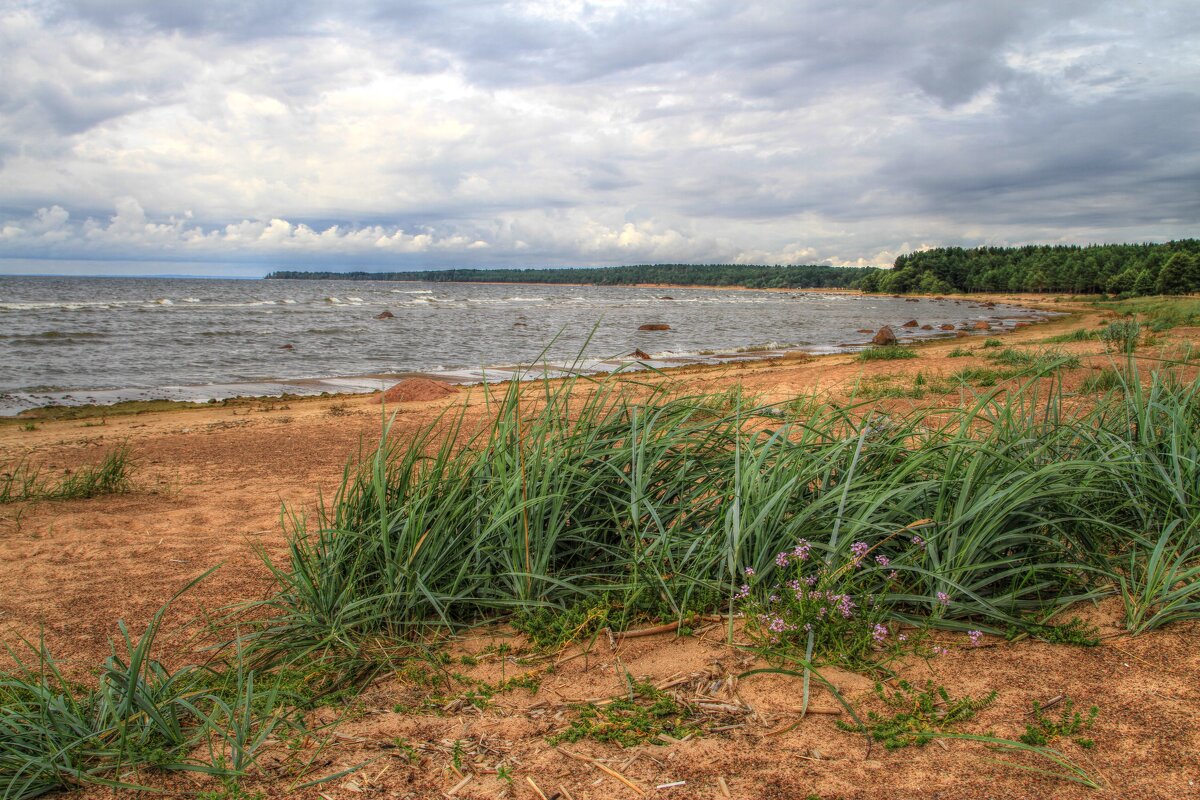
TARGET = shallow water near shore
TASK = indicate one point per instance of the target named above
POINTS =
(74, 341)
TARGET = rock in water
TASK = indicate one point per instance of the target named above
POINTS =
(385, 315)
(654, 326)
(412, 390)
(884, 336)
(982, 326)
(926, 327)
(947, 327)
(912, 323)
(640, 355)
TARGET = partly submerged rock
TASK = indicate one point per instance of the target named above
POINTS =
(884, 336)
(385, 315)
(912, 323)
(654, 326)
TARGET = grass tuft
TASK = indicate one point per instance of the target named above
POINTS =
(890, 352)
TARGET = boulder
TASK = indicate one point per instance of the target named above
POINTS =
(654, 326)
(412, 390)
(884, 336)
(961, 334)
(666, 297)
(926, 327)
(982, 326)
(287, 347)
(640, 355)
(865, 330)
(385, 315)
(912, 299)
(946, 327)
(912, 323)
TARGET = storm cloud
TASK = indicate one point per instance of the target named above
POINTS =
(431, 134)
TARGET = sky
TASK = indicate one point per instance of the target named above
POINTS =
(232, 138)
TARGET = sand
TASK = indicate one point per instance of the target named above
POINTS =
(210, 486)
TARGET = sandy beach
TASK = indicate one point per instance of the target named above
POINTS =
(210, 486)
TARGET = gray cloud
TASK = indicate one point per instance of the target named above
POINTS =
(543, 131)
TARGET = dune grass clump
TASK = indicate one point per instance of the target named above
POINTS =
(887, 352)
(113, 475)
(582, 494)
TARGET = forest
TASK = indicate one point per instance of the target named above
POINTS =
(1117, 269)
(1123, 270)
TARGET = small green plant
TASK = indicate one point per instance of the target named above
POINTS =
(553, 628)
(504, 773)
(889, 352)
(1069, 723)
(406, 751)
(1121, 335)
(990, 343)
(921, 714)
(1073, 632)
(959, 352)
(1078, 335)
(642, 717)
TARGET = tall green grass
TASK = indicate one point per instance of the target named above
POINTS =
(1022, 503)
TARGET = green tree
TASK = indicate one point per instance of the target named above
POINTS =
(1178, 275)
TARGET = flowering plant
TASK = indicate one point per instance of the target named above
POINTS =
(816, 598)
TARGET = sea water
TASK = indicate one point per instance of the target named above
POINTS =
(101, 340)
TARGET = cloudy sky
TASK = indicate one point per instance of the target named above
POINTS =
(232, 138)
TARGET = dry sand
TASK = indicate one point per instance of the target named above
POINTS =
(210, 486)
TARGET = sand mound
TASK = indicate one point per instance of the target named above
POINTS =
(416, 389)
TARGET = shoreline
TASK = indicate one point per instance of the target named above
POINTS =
(368, 385)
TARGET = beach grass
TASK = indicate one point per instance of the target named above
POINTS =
(113, 475)
(889, 352)
(659, 504)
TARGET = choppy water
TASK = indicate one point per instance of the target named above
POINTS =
(81, 340)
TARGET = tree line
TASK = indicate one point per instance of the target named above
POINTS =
(1116, 269)
(810, 276)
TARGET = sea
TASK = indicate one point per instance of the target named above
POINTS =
(73, 341)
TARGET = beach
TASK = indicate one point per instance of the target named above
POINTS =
(209, 486)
